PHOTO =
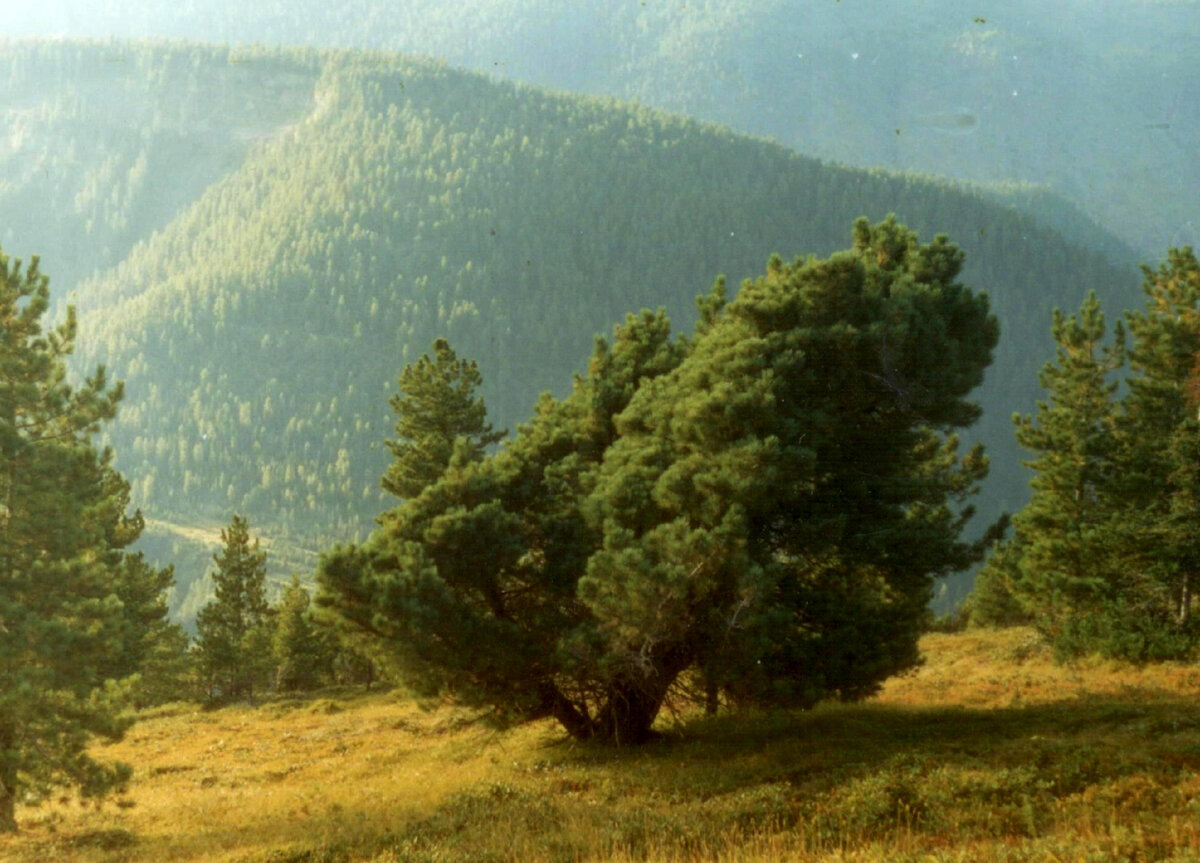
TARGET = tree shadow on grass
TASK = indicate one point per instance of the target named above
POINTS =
(1066, 744)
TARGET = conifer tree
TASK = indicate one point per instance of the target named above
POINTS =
(1160, 433)
(153, 648)
(993, 600)
(154, 653)
(436, 405)
(234, 628)
(776, 507)
(765, 503)
(63, 617)
(1106, 556)
(303, 650)
(1067, 526)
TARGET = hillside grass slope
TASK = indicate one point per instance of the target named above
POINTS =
(988, 752)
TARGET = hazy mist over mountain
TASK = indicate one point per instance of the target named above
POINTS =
(1095, 100)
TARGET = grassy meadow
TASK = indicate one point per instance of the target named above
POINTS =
(988, 752)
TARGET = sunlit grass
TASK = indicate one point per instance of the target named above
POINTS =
(324, 772)
(989, 752)
(1012, 667)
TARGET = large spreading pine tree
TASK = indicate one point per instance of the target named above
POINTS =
(75, 608)
(775, 508)
(766, 503)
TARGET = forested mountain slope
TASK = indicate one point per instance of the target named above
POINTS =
(1093, 99)
(105, 143)
(386, 201)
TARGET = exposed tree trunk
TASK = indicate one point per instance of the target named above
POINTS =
(631, 705)
(712, 687)
(8, 784)
(8, 808)
(634, 702)
(712, 694)
(627, 718)
(1185, 599)
(571, 718)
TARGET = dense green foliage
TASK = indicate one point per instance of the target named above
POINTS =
(235, 631)
(76, 609)
(1055, 556)
(247, 644)
(765, 504)
(303, 651)
(1105, 555)
(438, 414)
(1160, 433)
(398, 202)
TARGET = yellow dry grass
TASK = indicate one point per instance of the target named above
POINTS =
(221, 784)
(988, 752)
(990, 669)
